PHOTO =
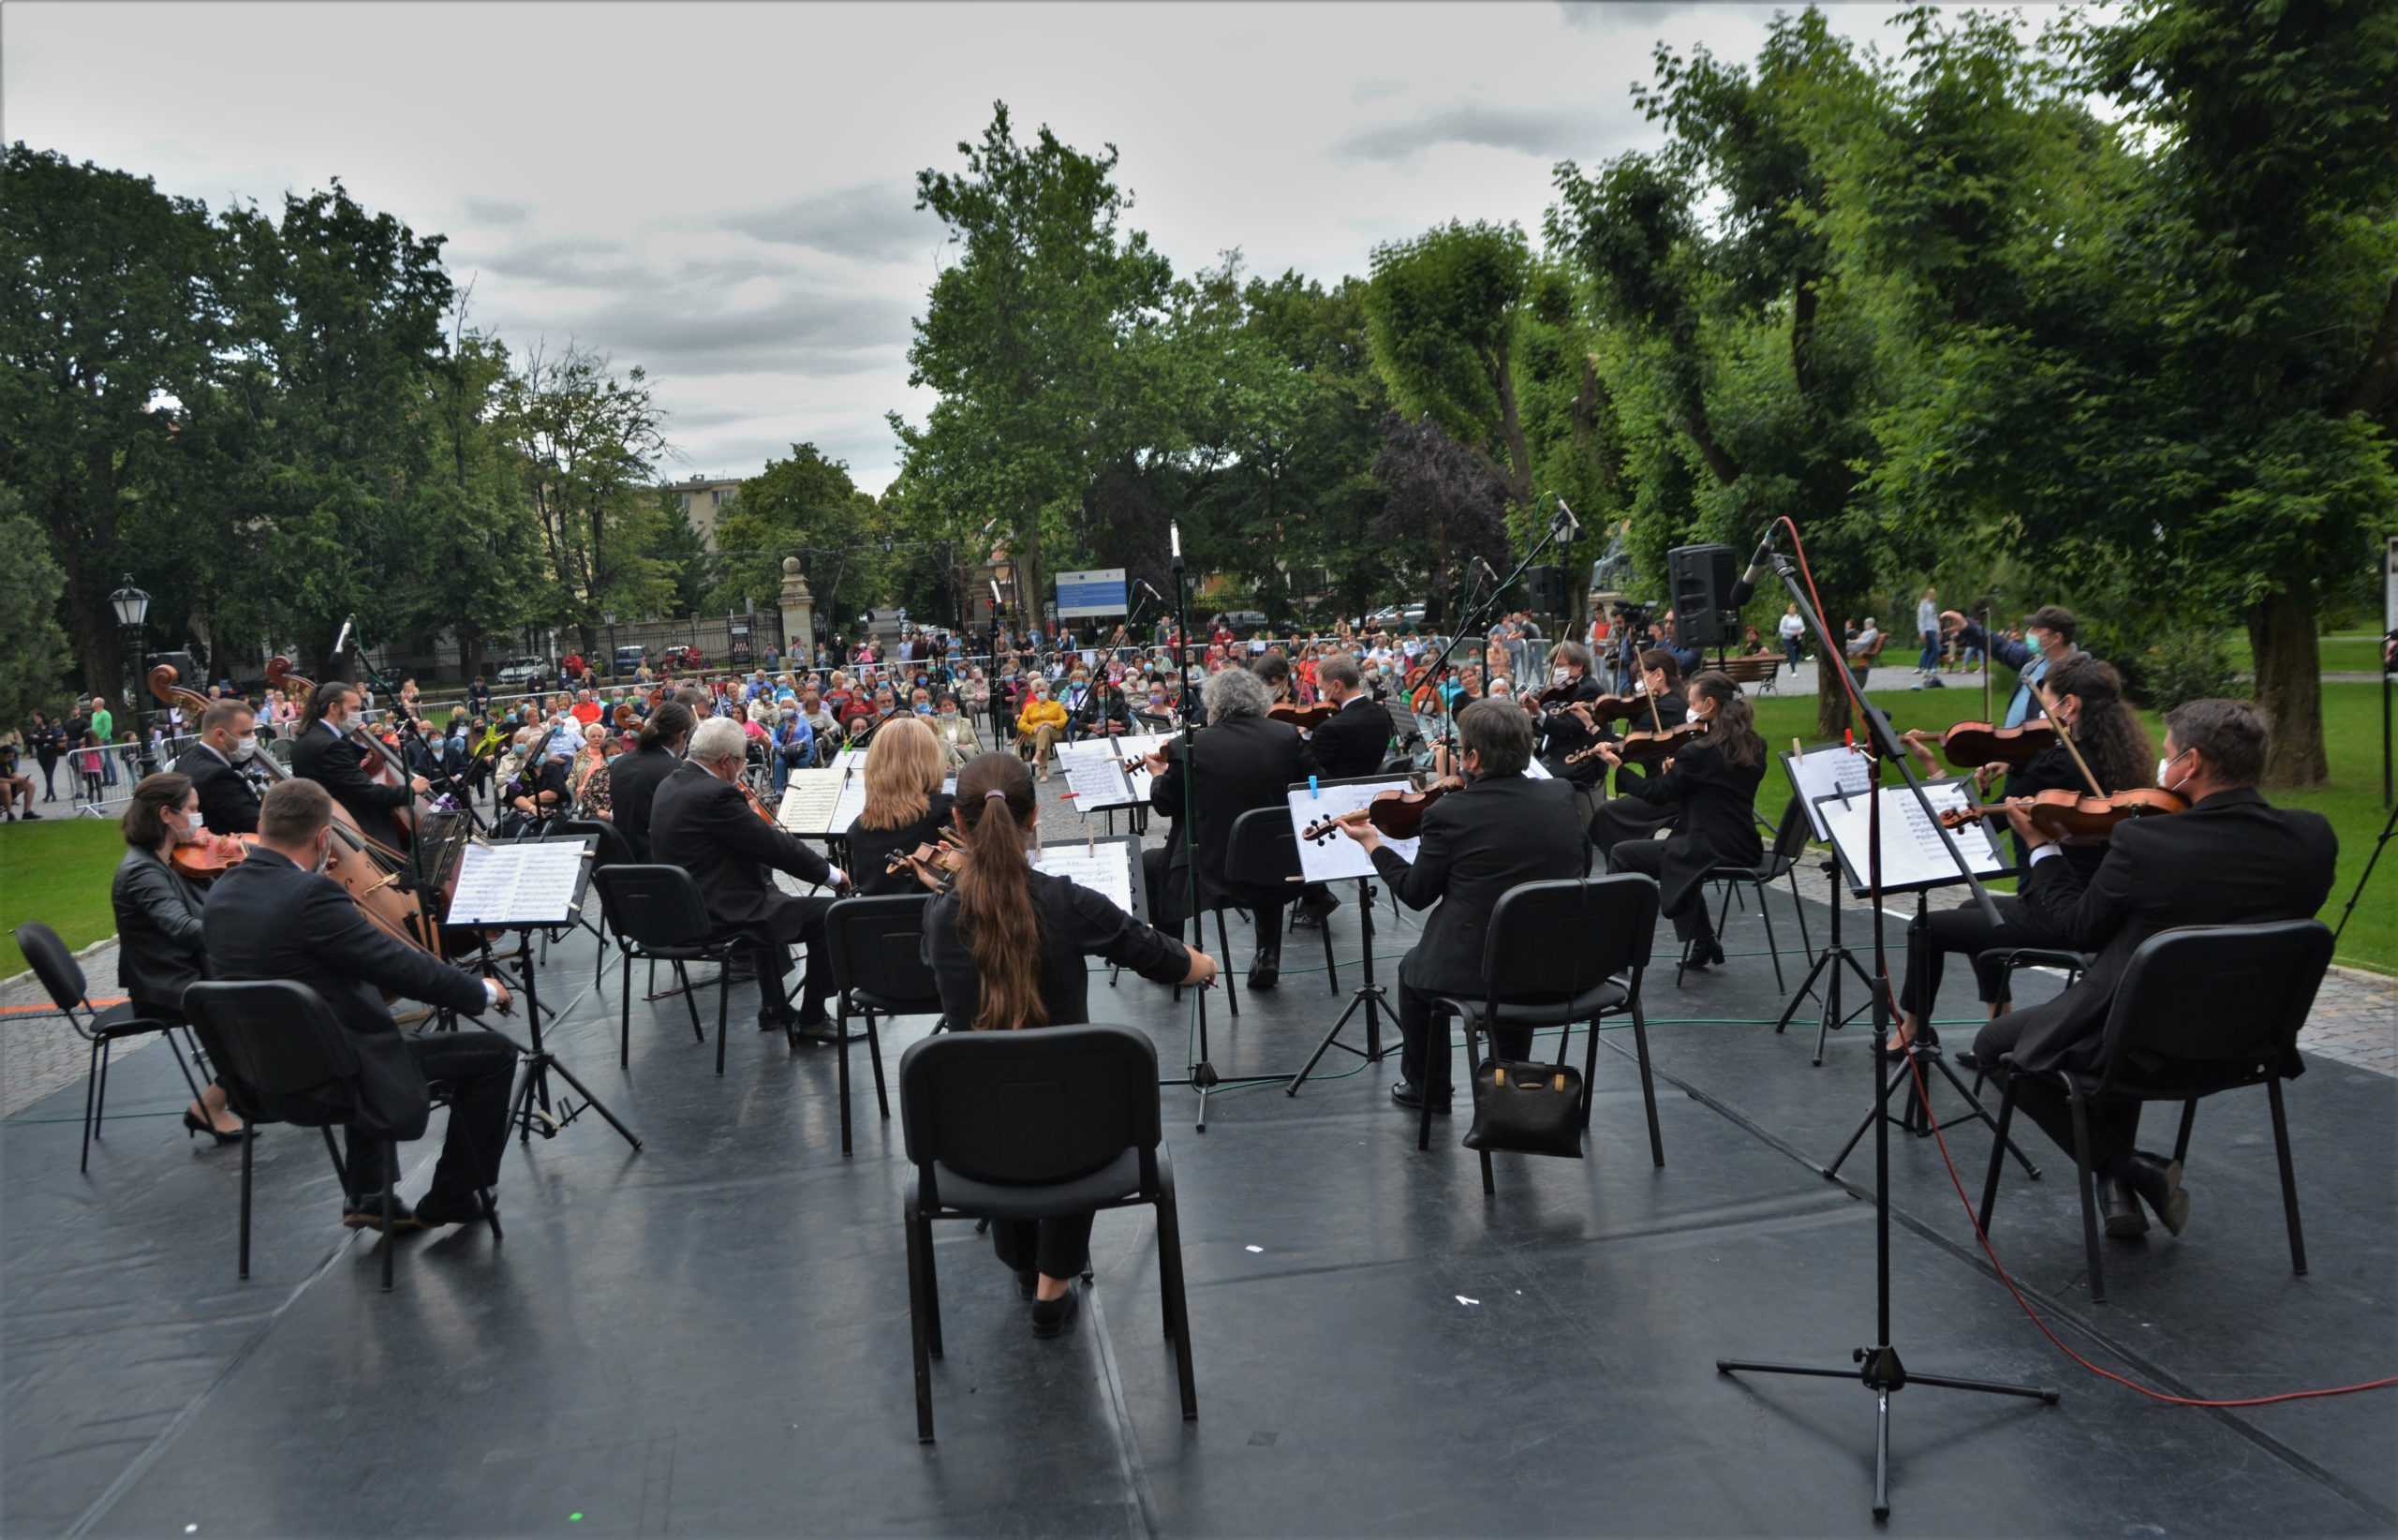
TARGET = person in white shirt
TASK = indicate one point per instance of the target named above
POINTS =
(1793, 629)
(1927, 625)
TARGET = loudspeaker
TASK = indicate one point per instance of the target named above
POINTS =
(1701, 578)
(1545, 590)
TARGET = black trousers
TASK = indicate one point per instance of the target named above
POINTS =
(1623, 819)
(1169, 895)
(479, 1068)
(1419, 1065)
(2114, 1125)
(1932, 935)
(794, 919)
(1691, 922)
(1055, 1248)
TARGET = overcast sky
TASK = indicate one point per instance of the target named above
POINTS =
(723, 193)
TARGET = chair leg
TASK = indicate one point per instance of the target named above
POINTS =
(100, 1112)
(91, 1091)
(249, 1137)
(2182, 1140)
(919, 1343)
(1177, 1303)
(874, 1058)
(2089, 1194)
(1648, 1082)
(1806, 943)
(841, 1027)
(1997, 1151)
(723, 993)
(1224, 941)
(1589, 1068)
(1474, 1093)
(2289, 1179)
(390, 1210)
(1424, 1125)
(624, 1017)
(932, 1290)
(1765, 912)
(683, 977)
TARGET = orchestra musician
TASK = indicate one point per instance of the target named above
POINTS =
(1353, 742)
(1504, 828)
(323, 751)
(1711, 787)
(633, 778)
(275, 916)
(1242, 759)
(228, 803)
(2231, 859)
(1006, 945)
(703, 823)
(1557, 730)
(159, 948)
(1630, 816)
(2085, 699)
(905, 805)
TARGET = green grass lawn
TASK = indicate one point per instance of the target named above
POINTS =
(2352, 731)
(57, 872)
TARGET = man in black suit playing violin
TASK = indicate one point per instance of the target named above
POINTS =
(324, 752)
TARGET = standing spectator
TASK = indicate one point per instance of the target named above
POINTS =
(1793, 629)
(104, 727)
(1927, 625)
(49, 743)
(89, 759)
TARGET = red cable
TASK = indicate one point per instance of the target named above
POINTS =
(1924, 1099)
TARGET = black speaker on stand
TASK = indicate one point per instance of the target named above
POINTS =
(1700, 578)
(1545, 590)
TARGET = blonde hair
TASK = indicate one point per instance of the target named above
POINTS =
(904, 767)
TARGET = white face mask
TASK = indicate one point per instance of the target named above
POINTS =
(324, 852)
(190, 832)
(2164, 767)
(1560, 674)
(245, 747)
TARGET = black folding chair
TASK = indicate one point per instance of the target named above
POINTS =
(1780, 860)
(610, 850)
(876, 946)
(656, 915)
(2073, 965)
(1037, 1124)
(63, 977)
(1558, 952)
(1263, 857)
(283, 1057)
(2201, 1010)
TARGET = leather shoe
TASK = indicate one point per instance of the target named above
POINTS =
(1701, 953)
(2158, 1182)
(1409, 1095)
(816, 1027)
(364, 1211)
(440, 1208)
(2119, 1206)
(1265, 971)
(1050, 1317)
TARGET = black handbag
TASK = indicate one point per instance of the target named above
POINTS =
(1532, 1109)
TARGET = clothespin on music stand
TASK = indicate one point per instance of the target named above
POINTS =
(1315, 793)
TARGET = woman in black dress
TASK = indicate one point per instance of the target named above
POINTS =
(160, 953)
(1006, 945)
(904, 805)
(2085, 699)
(1711, 787)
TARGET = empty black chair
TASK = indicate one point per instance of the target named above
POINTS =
(610, 848)
(1780, 860)
(1563, 951)
(63, 977)
(283, 1057)
(2202, 1009)
(876, 948)
(655, 912)
(1263, 856)
(1034, 1124)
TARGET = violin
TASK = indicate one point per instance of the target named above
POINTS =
(2069, 818)
(1554, 696)
(939, 858)
(1611, 708)
(1396, 815)
(211, 856)
(1639, 747)
(1972, 745)
(756, 805)
(1306, 718)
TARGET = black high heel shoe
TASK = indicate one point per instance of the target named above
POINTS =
(197, 1124)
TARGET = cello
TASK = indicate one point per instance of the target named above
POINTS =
(377, 758)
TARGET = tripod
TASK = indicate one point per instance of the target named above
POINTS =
(2389, 826)
(532, 1109)
(1828, 964)
(1879, 1368)
(1368, 995)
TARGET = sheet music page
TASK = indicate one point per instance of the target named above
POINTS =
(807, 801)
(1094, 775)
(1912, 852)
(1105, 869)
(1833, 770)
(1536, 770)
(517, 884)
(849, 802)
(1340, 858)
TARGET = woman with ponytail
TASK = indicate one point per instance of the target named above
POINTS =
(1006, 944)
(1711, 786)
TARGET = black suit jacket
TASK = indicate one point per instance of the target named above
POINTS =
(229, 803)
(333, 763)
(1559, 732)
(2233, 859)
(1478, 843)
(1715, 819)
(870, 850)
(1354, 742)
(1239, 763)
(633, 780)
(160, 950)
(268, 919)
(707, 827)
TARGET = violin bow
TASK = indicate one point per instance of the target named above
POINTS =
(2040, 698)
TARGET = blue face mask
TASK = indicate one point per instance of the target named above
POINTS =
(923, 709)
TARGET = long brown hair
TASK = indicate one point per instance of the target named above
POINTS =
(903, 770)
(995, 911)
(2108, 731)
(1734, 732)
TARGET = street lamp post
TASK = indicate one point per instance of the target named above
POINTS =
(132, 608)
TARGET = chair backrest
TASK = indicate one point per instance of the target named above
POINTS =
(1790, 835)
(877, 944)
(1398, 765)
(653, 905)
(1263, 851)
(2224, 994)
(1551, 941)
(613, 849)
(1045, 1104)
(274, 1043)
(56, 967)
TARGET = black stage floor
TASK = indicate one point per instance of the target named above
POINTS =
(710, 1336)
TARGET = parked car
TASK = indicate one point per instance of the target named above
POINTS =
(627, 661)
(1245, 623)
(1392, 617)
(524, 671)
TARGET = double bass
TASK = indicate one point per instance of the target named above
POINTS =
(380, 762)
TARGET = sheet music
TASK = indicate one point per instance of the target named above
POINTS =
(1536, 770)
(1340, 858)
(1106, 868)
(850, 803)
(1095, 771)
(1912, 855)
(808, 800)
(1833, 769)
(518, 884)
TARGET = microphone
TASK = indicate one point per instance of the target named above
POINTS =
(1144, 585)
(1746, 588)
(1567, 520)
(1486, 571)
(341, 642)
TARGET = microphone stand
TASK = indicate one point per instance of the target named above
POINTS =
(1879, 1368)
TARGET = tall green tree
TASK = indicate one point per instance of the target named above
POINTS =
(33, 648)
(1443, 314)
(805, 505)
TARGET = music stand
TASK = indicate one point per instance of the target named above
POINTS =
(1108, 865)
(1339, 858)
(525, 885)
(1815, 774)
